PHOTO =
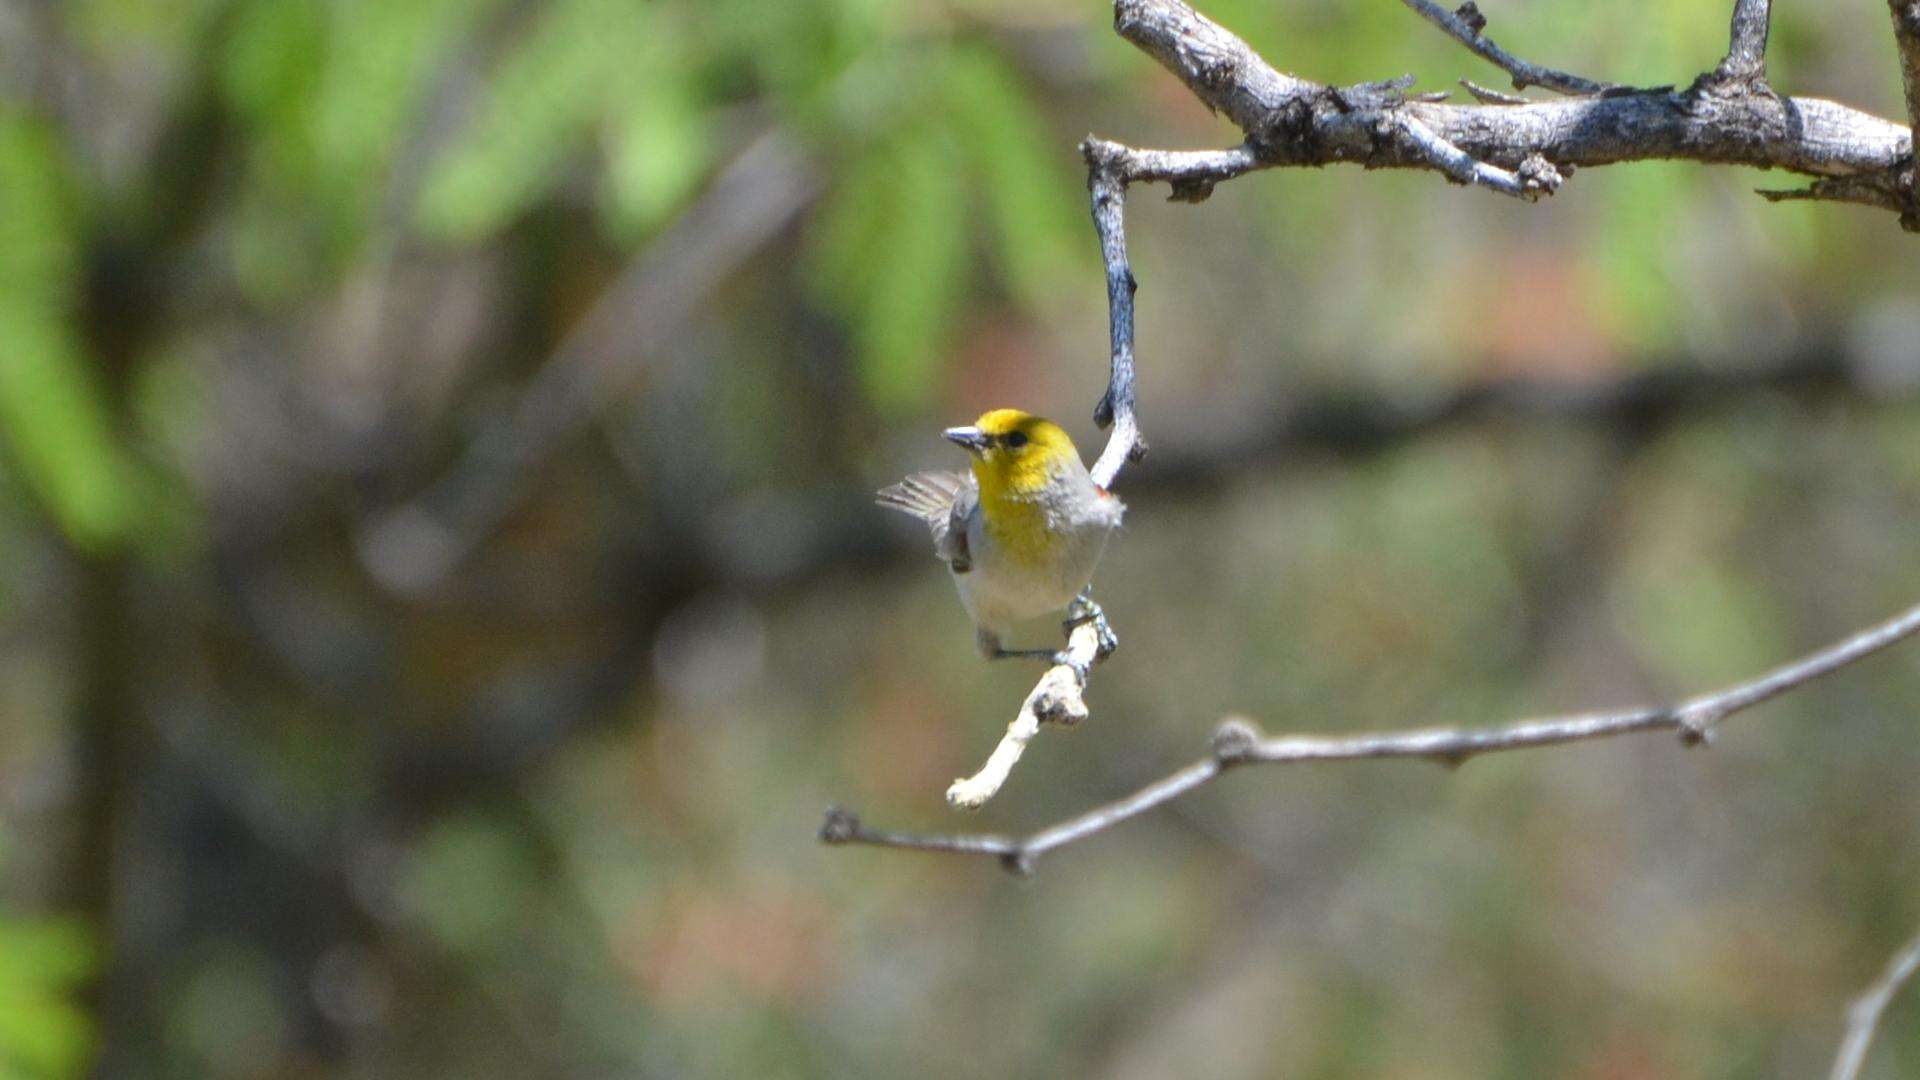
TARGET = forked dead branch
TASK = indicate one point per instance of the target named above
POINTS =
(1510, 145)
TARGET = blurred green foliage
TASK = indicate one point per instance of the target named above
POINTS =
(44, 1033)
(57, 424)
(943, 167)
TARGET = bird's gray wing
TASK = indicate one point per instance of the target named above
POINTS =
(950, 540)
(944, 500)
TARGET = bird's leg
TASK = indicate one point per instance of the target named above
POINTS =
(1055, 657)
(1082, 611)
(988, 643)
(1051, 656)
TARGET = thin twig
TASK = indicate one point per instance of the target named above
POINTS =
(1535, 177)
(1465, 26)
(1107, 189)
(1864, 190)
(1238, 742)
(1906, 35)
(1059, 697)
(1864, 1018)
(1191, 173)
(1746, 57)
(1486, 95)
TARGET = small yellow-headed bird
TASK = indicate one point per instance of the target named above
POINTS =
(1022, 533)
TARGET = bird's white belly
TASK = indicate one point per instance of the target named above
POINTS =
(1000, 590)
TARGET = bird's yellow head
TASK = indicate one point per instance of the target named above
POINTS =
(1014, 453)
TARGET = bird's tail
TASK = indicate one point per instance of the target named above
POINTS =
(927, 495)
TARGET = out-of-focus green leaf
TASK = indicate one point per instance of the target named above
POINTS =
(892, 245)
(226, 1018)
(893, 256)
(1691, 616)
(658, 145)
(274, 60)
(270, 74)
(43, 1033)
(543, 98)
(55, 420)
(330, 94)
(38, 249)
(469, 883)
(1635, 255)
(1033, 206)
(803, 51)
(847, 228)
(56, 953)
(170, 25)
(57, 427)
(919, 274)
(382, 56)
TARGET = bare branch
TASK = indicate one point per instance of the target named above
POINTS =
(1057, 698)
(1536, 176)
(1466, 26)
(1906, 34)
(1291, 121)
(1107, 186)
(1221, 70)
(1238, 742)
(1864, 1018)
(1110, 168)
(1191, 173)
(1866, 191)
(1488, 96)
(1746, 57)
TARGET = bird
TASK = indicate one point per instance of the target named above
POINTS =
(1020, 532)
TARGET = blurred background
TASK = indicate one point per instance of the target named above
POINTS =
(442, 592)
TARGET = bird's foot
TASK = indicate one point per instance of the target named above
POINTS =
(1083, 611)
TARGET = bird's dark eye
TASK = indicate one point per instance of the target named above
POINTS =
(1017, 440)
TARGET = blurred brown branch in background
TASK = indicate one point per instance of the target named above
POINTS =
(416, 545)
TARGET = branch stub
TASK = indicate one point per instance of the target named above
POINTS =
(840, 827)
(1234, 741)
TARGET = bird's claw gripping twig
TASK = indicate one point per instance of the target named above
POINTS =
(1058, 698)
(1082, 611)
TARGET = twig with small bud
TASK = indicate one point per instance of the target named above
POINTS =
(1239, 742)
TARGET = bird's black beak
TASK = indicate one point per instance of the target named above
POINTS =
(972, 438)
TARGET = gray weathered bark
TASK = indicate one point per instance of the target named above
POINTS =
(1726, 116)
